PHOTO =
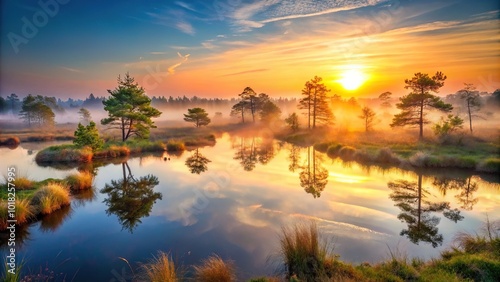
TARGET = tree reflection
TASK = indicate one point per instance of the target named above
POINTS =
(197, 163)
(313, 177)
(131, 199)
(417, 209)
(294, 158)
(254, 150)
(466, 187)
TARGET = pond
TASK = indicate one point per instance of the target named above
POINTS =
(232, 199)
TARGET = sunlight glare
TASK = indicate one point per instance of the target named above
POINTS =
(352, 78)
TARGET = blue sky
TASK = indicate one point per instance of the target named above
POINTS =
(210, 48)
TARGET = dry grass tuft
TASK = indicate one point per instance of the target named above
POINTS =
(214, 269)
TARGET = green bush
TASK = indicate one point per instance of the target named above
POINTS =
(88, 136)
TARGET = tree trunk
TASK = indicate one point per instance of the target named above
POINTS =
(470, 116)
(123, 129)
(314, 109)
(421, 121)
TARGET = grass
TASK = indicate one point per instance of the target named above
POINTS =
(64, 153)
(23, 212)
(175, 146)
(304, 255)
(161, 269)
(214, 269)
(9, 277)
(50, 198)
(80, 181)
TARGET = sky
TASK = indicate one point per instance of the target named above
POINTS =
(361, 48)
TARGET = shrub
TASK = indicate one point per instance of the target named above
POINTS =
(323, 147)
(386, 156)
(10, 142)
(64, 153)
(80, 181)
(174, 145)
(50, 198)
(489, 165)
(333, 150)
(419, 159)
(88, 136)
(347, 152)
(214, 269)
(161, 268)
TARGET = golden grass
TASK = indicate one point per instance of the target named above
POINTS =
(161, 269)
(80, 181)
(23, 183)
(303, 253)
(23, 212)
(50, 198)
(214, 269)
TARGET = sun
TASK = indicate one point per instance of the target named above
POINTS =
(352, 79)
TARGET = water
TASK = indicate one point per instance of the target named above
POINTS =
(232, 200)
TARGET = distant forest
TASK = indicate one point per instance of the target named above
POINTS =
(13, 103)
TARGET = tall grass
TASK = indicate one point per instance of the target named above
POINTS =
(64, 153)
(80, 181)
(161, 269)
(23, 212)
(175, 145)
(303, 253)
(9, 277)
(50, 198)
(214, 269)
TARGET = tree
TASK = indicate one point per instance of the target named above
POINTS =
(35, 111)
(88, 136)
(315, 102)
(129, 109)
(413, 105)
(472, 101)
(385, 99)
(239, 109)
(293, 121)
(13, 102)
(269, 111)
(251, 100)
(368, 116)
(84, 115)
(198, 116)
(3, 105)
(448, 126)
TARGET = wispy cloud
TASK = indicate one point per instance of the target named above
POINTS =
(257, 14)
(245, 72)
(185, 27)
(185, 6)
(157, 53)
(70, 69)
(171, 69)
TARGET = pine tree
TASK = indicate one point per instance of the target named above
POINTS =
(129, 109)
(315, 102)
(413, 105)
(198, 116)
(88, 136)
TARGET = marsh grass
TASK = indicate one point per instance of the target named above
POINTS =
(175, 145)
(64, 153)
(50, 198)
(304, 254)
(9, 277)
(214, 269)
(161, 269)
(80, 181)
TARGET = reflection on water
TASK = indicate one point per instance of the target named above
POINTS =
(233, 198)
(466, 186)
(313, 176)
(416, 210)
(253, 150)
(131, 199)
(197, 163)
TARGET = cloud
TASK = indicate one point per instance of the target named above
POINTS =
(257, 14)
(71, 69)
(171, 69)
(157, 53)
(185, 27)
(185, 6)
(245, 72)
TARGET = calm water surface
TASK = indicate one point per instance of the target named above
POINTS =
(233, 198)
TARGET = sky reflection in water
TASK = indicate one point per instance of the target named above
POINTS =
(233, 198)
